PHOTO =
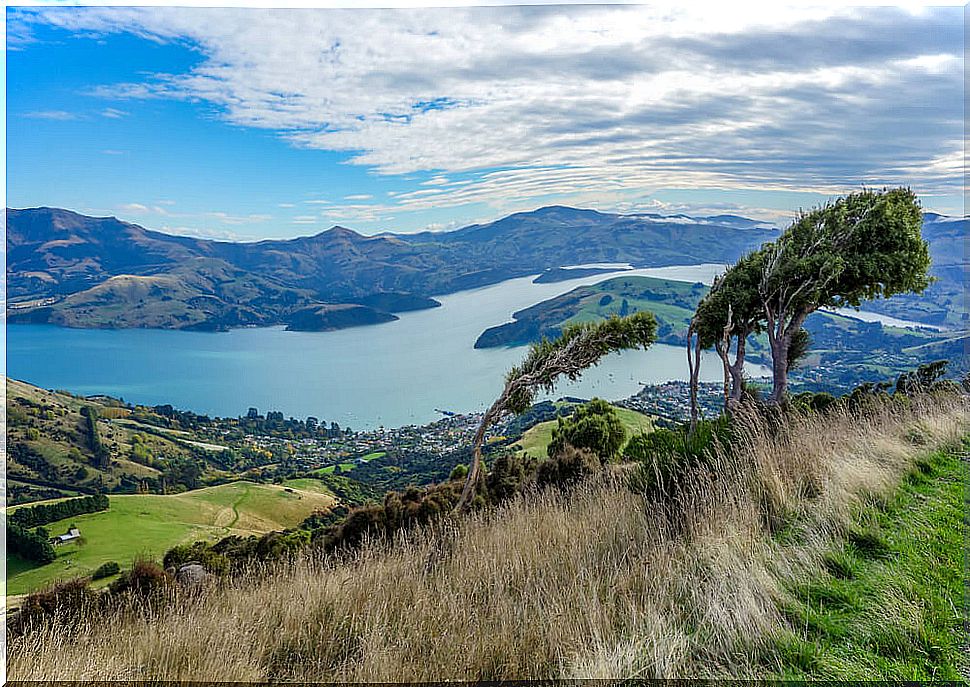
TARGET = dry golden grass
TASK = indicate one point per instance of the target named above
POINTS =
(599, 583)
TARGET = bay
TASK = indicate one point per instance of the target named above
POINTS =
(388, 375)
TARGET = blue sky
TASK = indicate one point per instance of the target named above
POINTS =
(246, 124)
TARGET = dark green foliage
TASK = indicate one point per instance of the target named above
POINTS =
(320, 519)
(183, 472)
(665, 456)
(812, 402)
(578, 347)
(868, 392)
(567, 467)
(239, 551)
(106, 570)
(68, 599)
(737, 288)
(413, 506)
(801, 342)
(101, 456)
(509, 472)
(146, 578)
(42, 514)
(862, 246)
(922, 378)
(31, 545)
(198, 552)
(460, 471)
(594, 426)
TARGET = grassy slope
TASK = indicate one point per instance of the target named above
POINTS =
(594, 582)
(535, 440)
(151, 524)
(892, 604)
(63, 430)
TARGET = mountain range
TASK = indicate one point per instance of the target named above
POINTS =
(72, 270)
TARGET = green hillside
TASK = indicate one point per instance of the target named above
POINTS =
(50, 449)
(535, 440)
(151, 524)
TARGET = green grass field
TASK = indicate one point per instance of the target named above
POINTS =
(535, 440)
(891, 604)
(151, 524)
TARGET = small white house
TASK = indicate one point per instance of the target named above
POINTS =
(72, 534)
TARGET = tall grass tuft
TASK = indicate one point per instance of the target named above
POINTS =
(599, 581)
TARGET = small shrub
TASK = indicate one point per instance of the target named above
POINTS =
(66, 599)
(106, 570)
(198, 552)
(459, 471)
(567, 467)
(594, 426)
(146, 578)
(508, 474)
(812, 402)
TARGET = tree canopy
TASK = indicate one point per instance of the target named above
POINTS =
(594, 426)
(579, 347)
(862, 246)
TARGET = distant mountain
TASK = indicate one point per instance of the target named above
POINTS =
(72, 270)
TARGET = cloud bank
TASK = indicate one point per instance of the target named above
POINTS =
(504, 105)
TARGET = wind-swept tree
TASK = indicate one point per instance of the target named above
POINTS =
(864, 245)
(730, 312)
(579, 347)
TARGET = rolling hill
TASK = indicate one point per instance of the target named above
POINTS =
(50, 450)
(77, 271)
(150, 524)
(844, 351)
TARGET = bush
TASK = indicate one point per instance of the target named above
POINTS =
(660, 459)
(812, 402)
(146, 578)
(106, 570)
(413, 506)
(922, 378)
(31, 545)
(458, 472)
(594, 426)
(198, 552)
(666, 455)
(68, 598)
(567, 467)
(507, 476)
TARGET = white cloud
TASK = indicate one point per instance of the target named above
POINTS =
(52, 115)
(594, 103)
(112, 113)
(227, 218)
(359, 196)
(207, 233)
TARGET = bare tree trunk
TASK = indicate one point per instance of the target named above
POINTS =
(474, 471)
(779, 368)
(736, 370)
(694, 364)
(724, 351)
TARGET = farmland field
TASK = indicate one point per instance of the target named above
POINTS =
(150, 524)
